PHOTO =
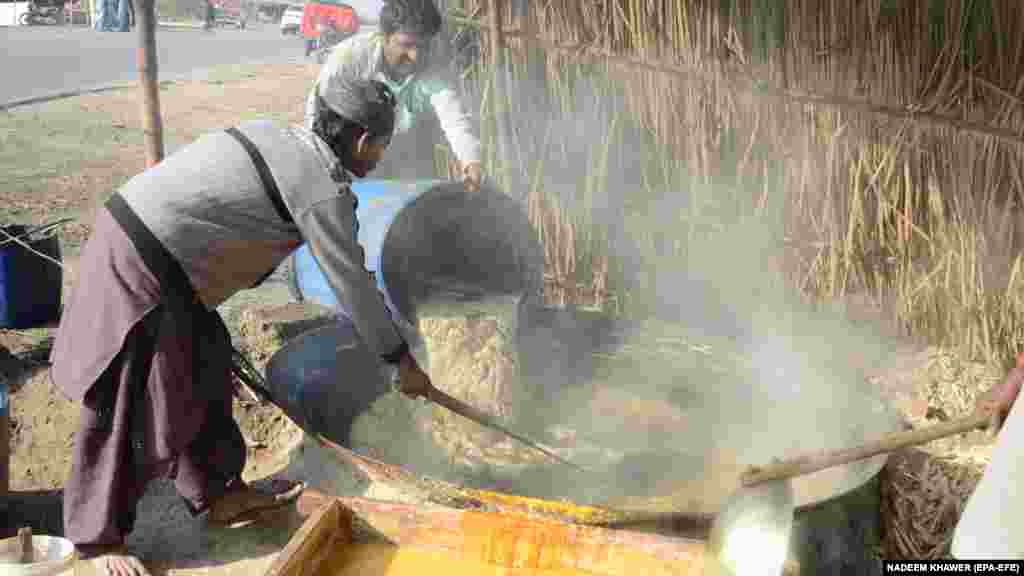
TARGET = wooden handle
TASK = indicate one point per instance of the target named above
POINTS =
(461, 408)
(811, 463)
(28, 553)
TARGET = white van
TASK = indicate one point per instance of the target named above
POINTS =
(11, 13)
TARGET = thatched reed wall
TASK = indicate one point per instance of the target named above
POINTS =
(903, 179)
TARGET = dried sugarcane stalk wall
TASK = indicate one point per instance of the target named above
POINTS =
(891, 198)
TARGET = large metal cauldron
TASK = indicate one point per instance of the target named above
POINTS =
(423, 239)
(330, 386)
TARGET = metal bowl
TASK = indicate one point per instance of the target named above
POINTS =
(329, 384)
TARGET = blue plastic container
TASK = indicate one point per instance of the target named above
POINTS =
(427, 237)
(30, 285)
(4, 391)
(5, 447)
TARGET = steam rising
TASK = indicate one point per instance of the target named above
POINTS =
(741, 366)
(742, 373)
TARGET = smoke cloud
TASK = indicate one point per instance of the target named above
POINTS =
(729, 365)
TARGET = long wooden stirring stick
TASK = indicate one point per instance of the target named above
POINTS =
(810, 463)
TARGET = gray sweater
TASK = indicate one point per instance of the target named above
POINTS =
(208, 207)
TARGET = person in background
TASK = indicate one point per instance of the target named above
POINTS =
(141, 344)
(992, 523)
(325, 31)
(209, 15)
(246, 10)
(399, 56)
(108, 16)
(125, 15)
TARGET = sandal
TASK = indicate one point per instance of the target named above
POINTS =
(109, 560)
(248, 503)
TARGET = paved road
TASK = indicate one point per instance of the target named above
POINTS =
(42, 60)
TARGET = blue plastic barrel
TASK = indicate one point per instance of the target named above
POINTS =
(5, 447)
(423, 238)
(30, 285)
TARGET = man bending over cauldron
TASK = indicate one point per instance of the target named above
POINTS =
(992, 523)
(141, 344)
(399, 56)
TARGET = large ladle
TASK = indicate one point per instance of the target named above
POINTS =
(750, 535)
(459, 407)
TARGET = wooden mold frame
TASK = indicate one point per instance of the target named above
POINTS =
(511, 541)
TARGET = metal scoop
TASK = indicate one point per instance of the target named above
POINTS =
(466, 411)
(756, 520)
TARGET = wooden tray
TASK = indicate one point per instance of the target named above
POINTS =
(510, 544)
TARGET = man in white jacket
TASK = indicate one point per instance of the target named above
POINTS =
(399, 56)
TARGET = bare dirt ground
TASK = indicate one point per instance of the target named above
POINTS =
(64, 158)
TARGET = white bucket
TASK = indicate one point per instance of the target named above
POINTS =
(53, 556)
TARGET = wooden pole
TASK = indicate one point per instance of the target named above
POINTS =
(815, 462)
(500, 93)
(145, 62)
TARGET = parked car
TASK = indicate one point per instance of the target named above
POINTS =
(291, 20)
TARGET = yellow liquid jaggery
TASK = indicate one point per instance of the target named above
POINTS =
(383, 559)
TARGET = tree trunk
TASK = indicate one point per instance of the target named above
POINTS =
(145, 61)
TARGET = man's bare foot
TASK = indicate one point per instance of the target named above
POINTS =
(246, 503)
(113, 561)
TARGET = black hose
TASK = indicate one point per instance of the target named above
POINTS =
(25, 235)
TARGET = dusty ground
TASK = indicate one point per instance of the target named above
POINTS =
(46, 172)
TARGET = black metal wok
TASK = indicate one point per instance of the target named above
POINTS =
(331, 387)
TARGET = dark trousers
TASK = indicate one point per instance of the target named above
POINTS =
(110, 469)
